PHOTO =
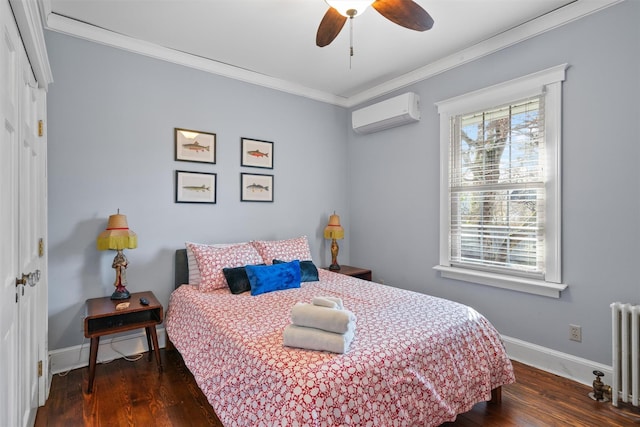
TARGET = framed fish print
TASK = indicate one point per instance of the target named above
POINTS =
(195, 146)
(256, 187)
(195, 187)
(256, 153)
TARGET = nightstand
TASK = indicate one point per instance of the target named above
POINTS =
(360, 273)
(103, 319)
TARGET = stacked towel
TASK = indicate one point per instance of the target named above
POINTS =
(323, 325)
(331, 302)
(327, 319)
(317, 339)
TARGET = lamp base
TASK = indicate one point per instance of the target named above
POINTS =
(334, 256)
(120, 264)
(120, 294)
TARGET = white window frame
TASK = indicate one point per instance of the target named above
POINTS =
(547, 83)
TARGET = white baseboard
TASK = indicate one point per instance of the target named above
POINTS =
(562, 364)
(66, 359)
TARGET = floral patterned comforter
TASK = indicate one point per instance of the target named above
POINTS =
(415, 359)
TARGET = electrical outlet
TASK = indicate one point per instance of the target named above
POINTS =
(575, 333)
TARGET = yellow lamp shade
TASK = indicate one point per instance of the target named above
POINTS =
(334, 230)
(117, 236)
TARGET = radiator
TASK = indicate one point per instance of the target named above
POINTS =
(626, 371)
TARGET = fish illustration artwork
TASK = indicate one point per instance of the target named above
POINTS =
(257, 153)
(196, 188)
(196, 147)
(257, 187)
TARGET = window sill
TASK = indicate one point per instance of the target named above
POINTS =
(514, 283)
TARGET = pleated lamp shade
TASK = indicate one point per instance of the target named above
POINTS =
(117, 235)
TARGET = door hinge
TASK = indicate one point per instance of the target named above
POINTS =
(41, 247)
(39, 368)
(40, 127)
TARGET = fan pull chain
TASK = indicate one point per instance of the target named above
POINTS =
(350, 40)
(351, 13)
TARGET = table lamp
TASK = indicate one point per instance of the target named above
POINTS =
(117, 237)
(334, 231)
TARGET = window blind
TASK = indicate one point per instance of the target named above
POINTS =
(497, 189)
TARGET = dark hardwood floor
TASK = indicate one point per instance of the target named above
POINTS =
(135, 394)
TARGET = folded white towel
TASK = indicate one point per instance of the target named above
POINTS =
(327, 319)
(316, 339)
(331, 302)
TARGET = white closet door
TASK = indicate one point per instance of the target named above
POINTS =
(22, 225)
(9, 120)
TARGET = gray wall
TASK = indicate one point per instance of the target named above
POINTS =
(111, 118)
(394, 185)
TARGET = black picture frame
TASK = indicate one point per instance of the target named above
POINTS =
(256, 153)
(195, 187)
(256, 187)
(195, 146)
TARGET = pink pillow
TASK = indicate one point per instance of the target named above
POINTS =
(283, 250)
(212, 260)
(192, 264)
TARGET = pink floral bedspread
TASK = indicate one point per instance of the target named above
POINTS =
(415, 359)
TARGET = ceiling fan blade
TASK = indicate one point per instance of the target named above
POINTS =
(405, 13)
(330, 26)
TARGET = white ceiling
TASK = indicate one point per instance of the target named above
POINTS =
(272, 42)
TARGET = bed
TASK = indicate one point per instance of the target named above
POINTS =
(415, 359)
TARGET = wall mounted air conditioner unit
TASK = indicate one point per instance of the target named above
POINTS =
(396, 111)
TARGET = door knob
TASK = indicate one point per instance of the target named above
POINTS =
(22, 281)
(30, 279)
(34, 277)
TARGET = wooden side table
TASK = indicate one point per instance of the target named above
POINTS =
(103, 319)
(360, 273)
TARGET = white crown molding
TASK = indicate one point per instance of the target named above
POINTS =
(555, 19)
(29, 20)
(98, 35)
(559, 17)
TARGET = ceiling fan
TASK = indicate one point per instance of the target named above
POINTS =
(405, 13)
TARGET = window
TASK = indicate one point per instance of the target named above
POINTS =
(500, 185)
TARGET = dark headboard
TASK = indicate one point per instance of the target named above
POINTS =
(182, 268)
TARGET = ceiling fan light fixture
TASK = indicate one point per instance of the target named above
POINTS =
(347, 7)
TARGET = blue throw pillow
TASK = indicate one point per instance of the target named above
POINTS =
(276, 277)
(308, 270)
(237, 279)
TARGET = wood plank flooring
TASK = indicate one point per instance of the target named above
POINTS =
(135, 394)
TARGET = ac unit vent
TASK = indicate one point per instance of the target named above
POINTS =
(396, 111)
